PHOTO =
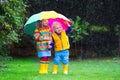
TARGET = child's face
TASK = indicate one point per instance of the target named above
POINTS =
(58, 29)
(45, 22)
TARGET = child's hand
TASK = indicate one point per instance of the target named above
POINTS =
(49, 44)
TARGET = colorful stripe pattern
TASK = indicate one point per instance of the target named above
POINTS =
(41, 43)
(44, 59)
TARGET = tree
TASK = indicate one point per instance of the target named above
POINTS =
(12, 20)
(80, 30)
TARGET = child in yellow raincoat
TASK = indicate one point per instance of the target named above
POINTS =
(61, 47)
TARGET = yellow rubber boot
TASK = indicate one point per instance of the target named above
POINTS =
(65, 69)
(55, 68)
(42, 69)
(46, 68)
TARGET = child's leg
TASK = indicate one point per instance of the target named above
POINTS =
(56, 63)
(44, 65)
(65, 69)
(55, 68)
(65, 61)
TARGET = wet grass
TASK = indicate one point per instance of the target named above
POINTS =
(93, 69)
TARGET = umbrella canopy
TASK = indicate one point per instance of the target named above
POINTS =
(52, 16)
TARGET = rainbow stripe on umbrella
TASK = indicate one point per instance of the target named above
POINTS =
(52, 16)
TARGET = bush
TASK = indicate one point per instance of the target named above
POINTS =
(12, 20)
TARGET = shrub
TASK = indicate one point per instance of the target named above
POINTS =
(12, 20)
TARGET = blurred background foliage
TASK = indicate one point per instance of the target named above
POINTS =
(12, 17)
(96, 26)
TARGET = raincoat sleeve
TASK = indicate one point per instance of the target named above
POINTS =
(69, 30)
(37, 35)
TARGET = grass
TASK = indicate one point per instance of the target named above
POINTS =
(27, 69)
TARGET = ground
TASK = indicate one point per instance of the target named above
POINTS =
(92, 69)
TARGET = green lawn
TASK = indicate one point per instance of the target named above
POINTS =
(95, 69)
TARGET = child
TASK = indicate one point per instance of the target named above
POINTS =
(61, 46)
(43, 38)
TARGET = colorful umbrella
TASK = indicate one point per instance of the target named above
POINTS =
(52, 16)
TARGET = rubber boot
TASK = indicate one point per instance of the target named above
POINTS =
(46, 68)
(55, 68)
(65, 69)
(42, 69)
